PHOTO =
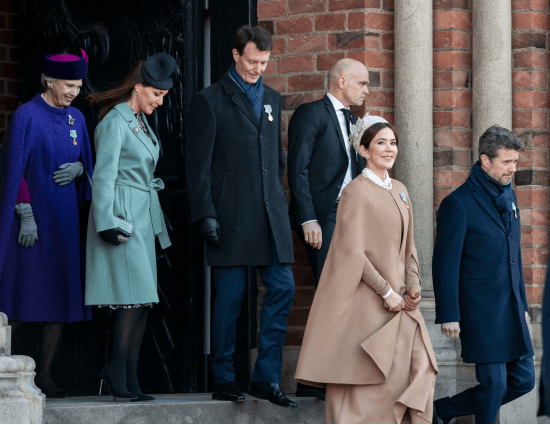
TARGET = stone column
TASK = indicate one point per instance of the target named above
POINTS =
(414, 119)
(20, 400)
(492, 66)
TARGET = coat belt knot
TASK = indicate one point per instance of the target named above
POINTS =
(157, 217)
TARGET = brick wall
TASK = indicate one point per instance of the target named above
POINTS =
(309, 37)
(531, 105)
(452, 114)
(10, 42)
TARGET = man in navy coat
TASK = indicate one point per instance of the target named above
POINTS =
(478, 282)
(235, 170)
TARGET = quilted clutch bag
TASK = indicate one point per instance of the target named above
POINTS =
(124, 227)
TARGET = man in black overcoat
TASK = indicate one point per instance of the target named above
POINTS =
(478, 282)
(235, 171)
(321, 162)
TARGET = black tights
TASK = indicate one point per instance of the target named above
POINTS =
(44, 360)
(129, 330)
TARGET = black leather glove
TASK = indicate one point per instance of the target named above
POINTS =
(210, 231)
(110, 236)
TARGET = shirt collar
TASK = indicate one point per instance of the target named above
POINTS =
(386, 182)
(336, 103)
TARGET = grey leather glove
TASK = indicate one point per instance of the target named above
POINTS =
(28, 234)
(210, 231)
(67, 173)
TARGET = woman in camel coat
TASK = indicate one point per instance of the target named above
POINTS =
(371, 351)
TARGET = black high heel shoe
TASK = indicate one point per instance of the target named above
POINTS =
(104, 376)
(143, 397)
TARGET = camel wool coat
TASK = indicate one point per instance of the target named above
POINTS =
(350, 338)
(123, 183)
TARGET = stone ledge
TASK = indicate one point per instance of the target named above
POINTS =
(180, 408)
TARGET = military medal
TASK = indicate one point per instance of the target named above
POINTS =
(268, 111)
(71, 120)
(73, 136)
(515, 209)
(404, 199)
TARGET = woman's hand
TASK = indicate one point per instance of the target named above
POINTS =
(394, 302)
(412, 299)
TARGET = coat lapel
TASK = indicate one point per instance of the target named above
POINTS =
(128, 115)
(483, 199)
(239, 98)
(332, 112)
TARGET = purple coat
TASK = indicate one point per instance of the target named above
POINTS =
(43, 283)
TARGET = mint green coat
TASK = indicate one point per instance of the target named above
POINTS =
(123, 183)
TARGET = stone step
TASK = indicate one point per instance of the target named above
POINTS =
(180, 408)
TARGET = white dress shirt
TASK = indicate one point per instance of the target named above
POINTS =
(343, 128)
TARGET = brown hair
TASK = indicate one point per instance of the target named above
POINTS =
(373, 130)
(119, 94)
(257, 35)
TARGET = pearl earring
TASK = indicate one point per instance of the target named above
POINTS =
(366, 158)
(50, 86)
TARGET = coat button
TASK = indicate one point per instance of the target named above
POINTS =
(266, 203)
(265, 169)
(342, 170)
(339, 186)
(509, 238)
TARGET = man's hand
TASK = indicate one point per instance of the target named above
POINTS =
(412, 299)
(452, 329)
(313, 234)
(394, 302)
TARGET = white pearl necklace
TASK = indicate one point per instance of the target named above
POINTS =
(376, 181)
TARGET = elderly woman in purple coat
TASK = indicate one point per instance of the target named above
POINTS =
(41, 183)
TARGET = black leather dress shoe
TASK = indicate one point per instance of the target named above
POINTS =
(227, 391)
(436, 419)
(272, 393)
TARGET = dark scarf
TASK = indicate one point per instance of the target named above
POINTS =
(502, 196)
(254, 94)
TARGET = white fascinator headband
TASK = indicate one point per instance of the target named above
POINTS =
(357, 129)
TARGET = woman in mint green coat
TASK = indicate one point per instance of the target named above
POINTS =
(121, 271)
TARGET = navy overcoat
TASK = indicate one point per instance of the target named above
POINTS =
(478, 277)
(235, 169)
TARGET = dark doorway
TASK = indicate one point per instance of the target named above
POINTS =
(115, 34)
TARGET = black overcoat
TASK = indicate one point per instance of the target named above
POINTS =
(317, 161)
(478, 277)
(235, 170)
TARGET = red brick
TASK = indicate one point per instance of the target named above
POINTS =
(270, 69)
(11, 38)
(294, 25)
(306, 43)
(377, 21)
(535, 217)
(452, 139)
(446, 39)
(530, 20)
(279, 46)
(387, 41)
(330, 22)
(352, 4)
(529, 79)
(276, 83)
(450, 178)
(389, 117)
(3, 53)
(541, 141)
(15, 22)
(450, 59)
(302, 275)
(451, 79)
(3, 22)
(450, 4)
(456, 118)
(291, 102)
(388, 5)
(381, 99)
(534, 294)
(295, 64)
(529, 119)
(529, 4)
(306, 83)
(532, 158)
(534, 275)
(534, 256)
(521, 40)
(531, 59)
(388, 80)
(531, 99)
(271, 9)
(294, 337)
(8, 103)
(14, 88)
(374, 59)
(10, 6)
(452, 19)
(306, 6)
(325, 62)
(303, 297)
(452, 99)
(439, 195)
(353, 40)
(532, 198)
(535, 236)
